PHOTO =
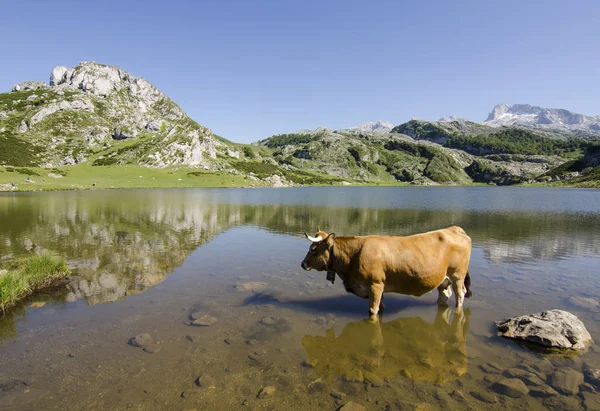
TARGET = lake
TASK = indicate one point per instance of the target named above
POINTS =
(143, 261)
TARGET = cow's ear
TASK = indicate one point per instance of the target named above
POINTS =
(330, 239)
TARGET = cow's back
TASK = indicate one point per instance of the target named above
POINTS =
(415, 264)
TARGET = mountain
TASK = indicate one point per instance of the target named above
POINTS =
(373, 126)
(544, 119)
(104, 115)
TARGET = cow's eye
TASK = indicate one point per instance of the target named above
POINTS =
(313, 250)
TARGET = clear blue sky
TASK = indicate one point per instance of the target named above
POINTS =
(249, 69)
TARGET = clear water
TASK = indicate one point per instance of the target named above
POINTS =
(144, 260)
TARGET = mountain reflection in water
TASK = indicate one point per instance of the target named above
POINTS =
(119, 243)
(406, 347)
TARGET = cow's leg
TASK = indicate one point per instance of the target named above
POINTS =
(458, 286)
(375, 295)
(445, 291)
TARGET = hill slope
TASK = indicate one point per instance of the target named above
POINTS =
(100, 113)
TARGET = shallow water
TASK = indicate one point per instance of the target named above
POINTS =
(144, 260)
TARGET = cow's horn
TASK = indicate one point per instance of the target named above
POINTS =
(318, 229)
(313, 239)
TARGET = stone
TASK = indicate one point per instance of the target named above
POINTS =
(23, 127)
(511, 387)
(352, 406)
(152, 348)
(560, 402)
(353, 375)
(337, 395)
(268, 321)
(583, 302)
(57, 75)
(542, 391)
(266, 392)
(586, 387)
(552, 328)
(317, 386)
(2, 272)
(591, 400)
(488, 369)
(141, 340)
(485, 396)
(250, 286)
(543, 365)
(566, 381)
(206, 381)
(527, 377)
(373, 379)
(592, 376)
(204, 321)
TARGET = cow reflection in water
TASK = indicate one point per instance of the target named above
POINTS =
(405, 347)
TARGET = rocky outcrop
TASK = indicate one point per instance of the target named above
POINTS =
(57, 75)
(76, 105)
(373, 126)
(551, 329)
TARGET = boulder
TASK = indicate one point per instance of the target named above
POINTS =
(567, 381)
(592, 376)
(583, 302)
(57, 75)
(511, 387)
(352, 406)
(266, 392)
(552, 328)
(141, 340)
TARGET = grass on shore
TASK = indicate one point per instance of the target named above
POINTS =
(29, 275)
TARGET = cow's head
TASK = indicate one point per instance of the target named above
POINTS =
(319, 252)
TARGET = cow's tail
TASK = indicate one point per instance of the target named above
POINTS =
(469, 294)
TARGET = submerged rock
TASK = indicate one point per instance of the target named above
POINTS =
(141, 340)
(592, 376)
(552, 328)
(266, 392)
(511, 387)
(352, 406)
(567, 381)
(583, 302)
(202, 320)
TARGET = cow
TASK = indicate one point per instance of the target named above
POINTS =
(414, 265)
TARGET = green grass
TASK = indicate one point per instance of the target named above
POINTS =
(88, 177)
(29, 275)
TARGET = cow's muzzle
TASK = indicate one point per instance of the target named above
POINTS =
(305, 266)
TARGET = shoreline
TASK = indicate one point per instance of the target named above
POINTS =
(28, 276)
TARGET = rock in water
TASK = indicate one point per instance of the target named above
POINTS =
(352, 406)
(552, 328)
(204, 321)
(141, 340)
(266, 392)
(512, 387)
(592, 376)
(583, 302)
(567, 381)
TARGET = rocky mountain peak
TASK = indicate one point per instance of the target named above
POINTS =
(376, 126)
(536, 117)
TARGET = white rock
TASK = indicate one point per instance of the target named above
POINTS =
(23, 127)
(58, 75)
(52, 108)
(552, 328)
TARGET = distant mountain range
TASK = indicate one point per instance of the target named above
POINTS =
(103, 116)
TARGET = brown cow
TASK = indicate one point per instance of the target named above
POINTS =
(413, 265)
